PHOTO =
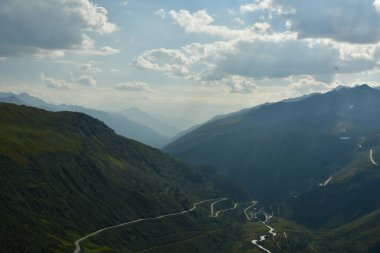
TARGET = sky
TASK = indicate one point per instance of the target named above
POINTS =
(186, 59)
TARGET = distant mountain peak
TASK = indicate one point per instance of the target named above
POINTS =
(357, 90)
(340, 87)
(160, 126)
(363, 86)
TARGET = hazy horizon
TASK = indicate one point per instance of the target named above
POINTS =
(176, 58)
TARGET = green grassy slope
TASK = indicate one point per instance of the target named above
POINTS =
(63, 175)
(352, 193)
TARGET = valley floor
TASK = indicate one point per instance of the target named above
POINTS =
(233, 228)
(228, 218)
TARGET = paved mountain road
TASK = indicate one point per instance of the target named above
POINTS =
(371, 157)
(229, 209)
(77, 242)
(213, 214)
(246, 210)
(263, 237)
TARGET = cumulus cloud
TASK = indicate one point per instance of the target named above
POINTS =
(239, 84)
(353, 21)
(49, 25)
(54, 83)
(201, 22)
(86, 80)
(256, 59)
(376, 4)
(192, 62)
(266, 5)
(306, 84)
(133, 86)
(244, 56)
(90, 68)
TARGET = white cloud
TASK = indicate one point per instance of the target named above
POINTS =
(54, 83)
(88, 48)
(261, 27)
(192, 62)
(239, 84)
(255, 52)
(133, 86)
(257, 59)
(52, 54)
(266, 5)
(161, 13)
(90, 68)
(49, 25)
(202, 22)
(86, 80)
(376, 4)
(307, 84)
(105, 51)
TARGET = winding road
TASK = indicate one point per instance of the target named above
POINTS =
(263, 237)
(228, 209)
(212, 214)
(77, 242)
(256, 242)
(371, 157)
(246, 210)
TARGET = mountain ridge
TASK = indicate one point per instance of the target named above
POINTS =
(261, 142)
(119, 123)
(144, 118)
(65, 174)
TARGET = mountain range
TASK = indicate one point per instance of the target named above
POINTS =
(65, 174)
(312, 165)
(280, 148)
(314, 160)
(146, 119)
(132, 123)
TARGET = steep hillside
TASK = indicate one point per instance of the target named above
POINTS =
(360, 236)
(352, 193)
(64, 175)
(122, 125)
(281, 149)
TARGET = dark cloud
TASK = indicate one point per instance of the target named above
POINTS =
(280, 59)
(353, 21)
(28, 26)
